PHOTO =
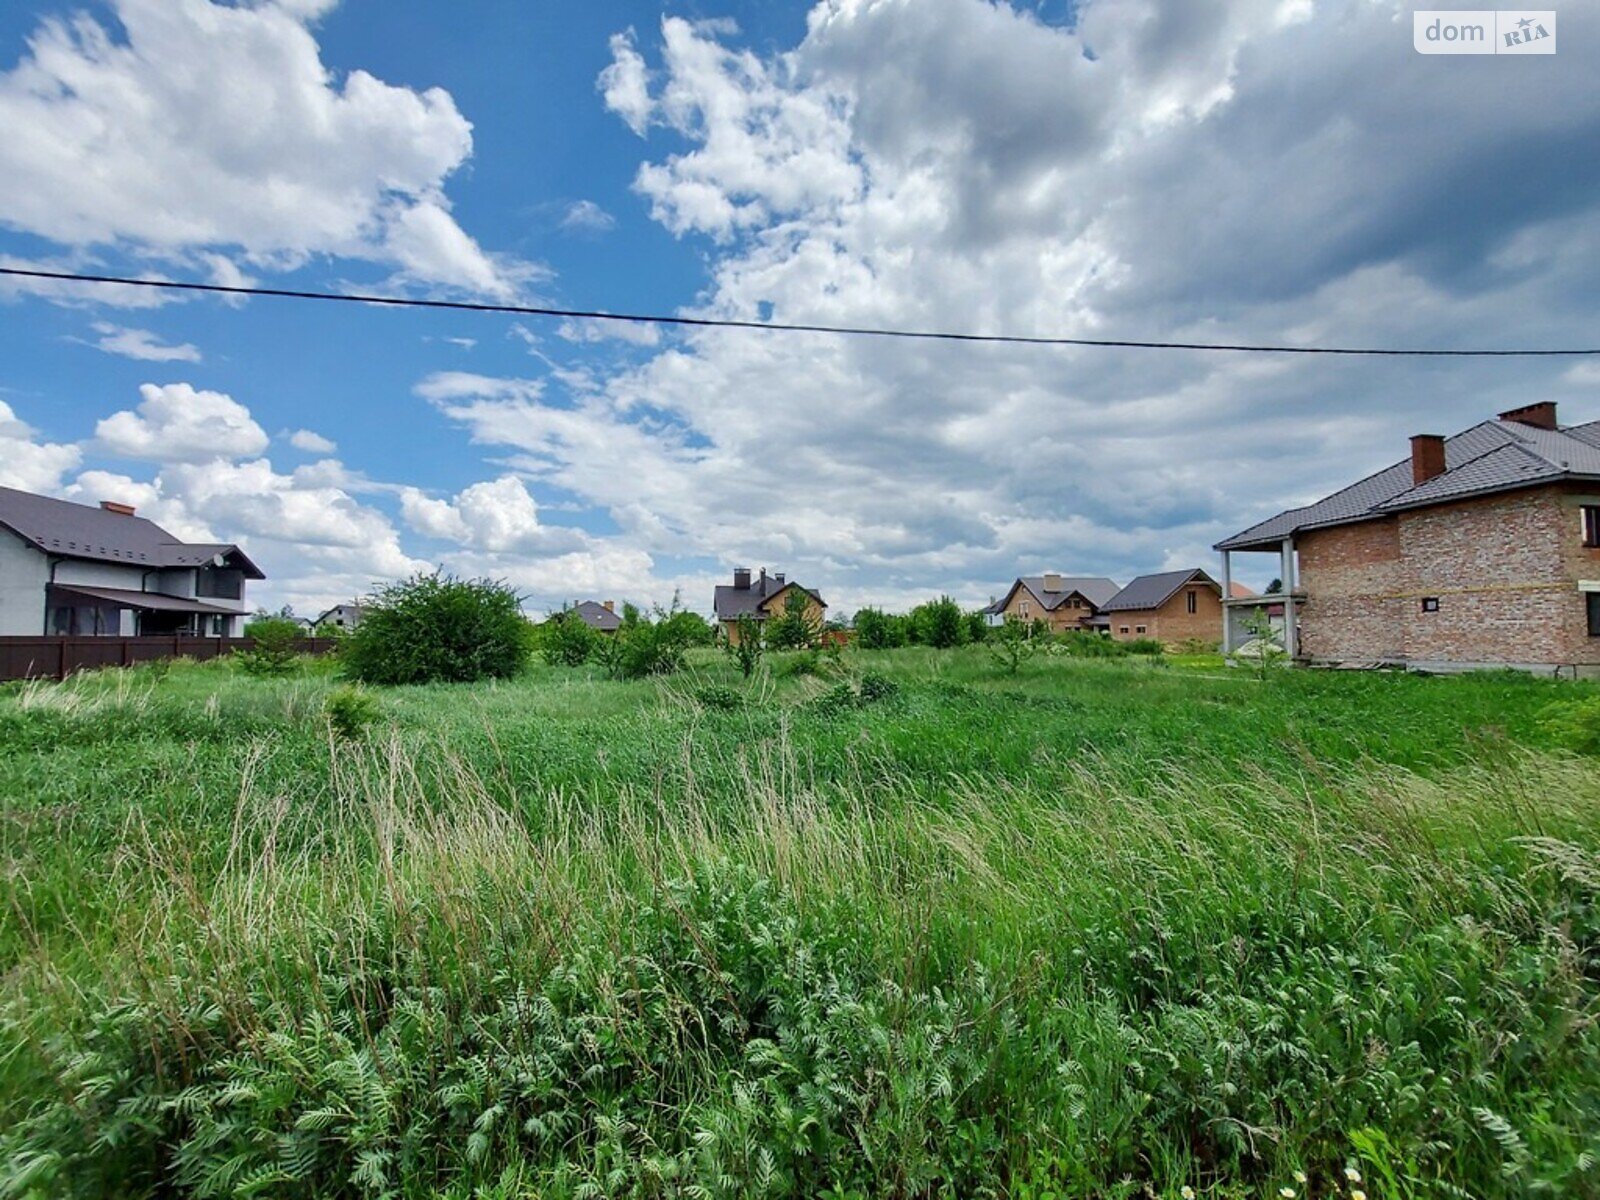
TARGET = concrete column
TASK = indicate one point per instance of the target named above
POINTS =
(1291, 635)
(1227, 592)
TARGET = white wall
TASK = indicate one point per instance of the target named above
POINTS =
(24, 572)
(100, 574)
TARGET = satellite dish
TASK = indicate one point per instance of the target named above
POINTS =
(218, 560)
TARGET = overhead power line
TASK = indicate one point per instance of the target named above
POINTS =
(1010, 339)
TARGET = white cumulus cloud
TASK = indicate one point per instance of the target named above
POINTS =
(29, 464)
(217, 127)
(178, 423)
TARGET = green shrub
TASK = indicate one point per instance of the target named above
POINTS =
(642, 649)
(718, 696)
(876, 687)
(795, 628)
(566, 641)
(439, 629)
(1013, 644)
(939, 623)
(978, 627)
(274, 651)
(876, 630)
(1078, 643)
(1575, 724)
(1150, 647)
(745, 647)
(350, 710)
(1195, 646)
(804, 664)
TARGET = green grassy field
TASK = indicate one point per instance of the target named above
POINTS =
(918, 929)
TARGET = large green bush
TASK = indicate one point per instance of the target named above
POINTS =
(878, 630)
(439, 629)
(566, 641)
(939, 623)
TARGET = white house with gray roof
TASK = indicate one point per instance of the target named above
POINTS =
(73, 569)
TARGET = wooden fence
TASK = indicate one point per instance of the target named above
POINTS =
(58, 657)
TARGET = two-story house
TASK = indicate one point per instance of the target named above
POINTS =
(1480, 550)
(1062, 602)
(761, 598)
(78, 570)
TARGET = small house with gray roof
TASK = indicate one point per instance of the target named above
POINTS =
(599, 615)
(1062, 602)
(77, 570)
(761, 598)
(1480, 550)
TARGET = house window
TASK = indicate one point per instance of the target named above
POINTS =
(1193, 602)
(1430, 604)
(213, 583)
(1594, 613)
(1024, 610)
(1122, 629)
(1591, 525)
(1138, 628)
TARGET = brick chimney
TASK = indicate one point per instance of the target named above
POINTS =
(741, 578)
(122, 510)
(1540, 416)
(778, 578)
(1052, 582)
(609, 605)
(1427, 457)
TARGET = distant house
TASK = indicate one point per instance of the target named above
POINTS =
(1169, 607)
(341, 618)
(74, 569)
(1062, 602)
(599, 616)
(1480, 550)
(760, 598)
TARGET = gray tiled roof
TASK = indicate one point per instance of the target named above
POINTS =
(596, 616)
(1152, 591)
(69, 530)
(731, 603)
(1492, 456)
(1096, 589)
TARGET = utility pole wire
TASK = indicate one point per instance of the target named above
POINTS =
(775, 326)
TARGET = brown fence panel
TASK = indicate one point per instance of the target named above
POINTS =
(58, 657)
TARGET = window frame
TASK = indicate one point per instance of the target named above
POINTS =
(1430, 604)
(1192, 601)
(1592, 603)
(1589, 525)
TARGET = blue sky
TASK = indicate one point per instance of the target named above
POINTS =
(1233, 169)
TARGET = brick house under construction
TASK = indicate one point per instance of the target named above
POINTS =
(1481, 550)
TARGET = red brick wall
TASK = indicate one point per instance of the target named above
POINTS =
(1172, 623)
(1504, 569)
(1352, 577)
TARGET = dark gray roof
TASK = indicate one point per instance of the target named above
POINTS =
(730, 603)
(1096, 589)
(1493, 456)
(1152, 591)
(595, 615)
(149, 601)
(70, 530)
